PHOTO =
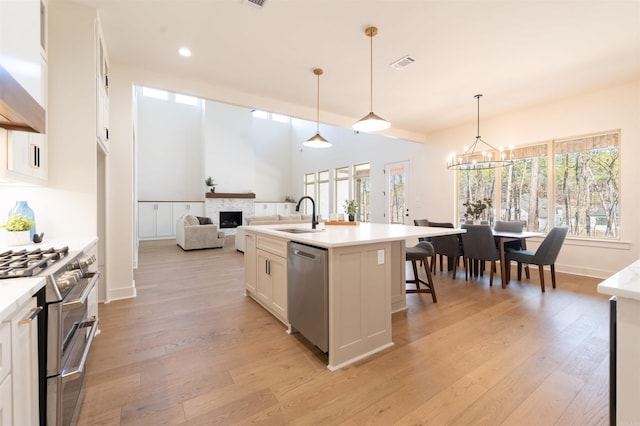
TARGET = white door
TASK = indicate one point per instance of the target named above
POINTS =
(397, 192)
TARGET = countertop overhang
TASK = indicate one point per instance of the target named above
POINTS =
(342, 236)
(625, 283)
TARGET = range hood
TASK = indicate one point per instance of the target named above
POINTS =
(18, 109)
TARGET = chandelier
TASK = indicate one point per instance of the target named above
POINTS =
(480, 155)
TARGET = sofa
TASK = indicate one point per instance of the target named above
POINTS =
(274, 219)
(194, 233)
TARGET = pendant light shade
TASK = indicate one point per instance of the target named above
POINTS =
(371, 122)
(317, 141)
(480, 155)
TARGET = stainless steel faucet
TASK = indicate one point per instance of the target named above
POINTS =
(314, 219)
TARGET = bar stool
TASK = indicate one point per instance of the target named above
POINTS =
(421, 252)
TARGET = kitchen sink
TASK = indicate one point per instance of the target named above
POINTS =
(297, 230)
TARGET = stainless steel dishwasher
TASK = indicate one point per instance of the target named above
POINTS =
(308, 292)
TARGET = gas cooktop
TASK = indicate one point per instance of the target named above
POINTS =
(28, 263)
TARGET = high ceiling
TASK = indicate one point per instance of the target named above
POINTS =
(516, 53)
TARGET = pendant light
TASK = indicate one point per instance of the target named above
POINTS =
(317, 141)
(480, 156)
(371, 122)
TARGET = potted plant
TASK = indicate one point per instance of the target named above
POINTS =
(211, 183)
(350, 208)
(18, 228)
(476, 208)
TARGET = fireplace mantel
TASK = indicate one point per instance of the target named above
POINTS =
(229, 195)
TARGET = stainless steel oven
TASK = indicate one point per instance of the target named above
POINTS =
(70, 332)
(65, 328)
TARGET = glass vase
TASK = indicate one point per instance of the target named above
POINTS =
(22, 208)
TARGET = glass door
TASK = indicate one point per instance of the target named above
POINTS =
(397, 194)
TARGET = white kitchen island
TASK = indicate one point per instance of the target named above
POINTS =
(366, 271)
(625, 285)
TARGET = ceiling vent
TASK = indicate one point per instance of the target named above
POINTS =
(402, 63)
(256, 3)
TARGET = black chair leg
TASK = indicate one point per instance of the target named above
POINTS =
(541, 269)
(553, 275)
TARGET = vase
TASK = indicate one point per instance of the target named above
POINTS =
(213, 189)
(352, 218)
(18, 238)
(22, 208)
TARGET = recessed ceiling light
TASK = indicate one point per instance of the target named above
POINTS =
(184, 52)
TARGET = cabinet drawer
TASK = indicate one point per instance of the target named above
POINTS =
(5, 349)
(277, 246)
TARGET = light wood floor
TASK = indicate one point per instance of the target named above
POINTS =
(192, 349)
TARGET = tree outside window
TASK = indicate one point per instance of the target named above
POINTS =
(362, 186)
(587, 173)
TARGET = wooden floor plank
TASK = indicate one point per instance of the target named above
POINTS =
(191, 349)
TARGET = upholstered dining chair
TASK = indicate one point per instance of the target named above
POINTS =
(446, 245)
(511, 226)
(546, 254)
(479, 246)
(421, 252)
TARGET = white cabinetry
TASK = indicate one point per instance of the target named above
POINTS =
(6, 405)
(271, 274)
(157, 220)
(102, 87)
(19, 367)
(250, 265)
(23, 156)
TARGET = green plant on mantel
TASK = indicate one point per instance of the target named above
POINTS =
(476, 208)
(17, 223)
(210, 181)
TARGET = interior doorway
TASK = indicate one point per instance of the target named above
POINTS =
(397, 193)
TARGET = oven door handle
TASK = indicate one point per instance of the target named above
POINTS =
(82, 300)
(77, 372)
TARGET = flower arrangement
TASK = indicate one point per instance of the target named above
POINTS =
(476, 209)
(17, 223)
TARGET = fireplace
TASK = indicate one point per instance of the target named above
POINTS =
(230, 219)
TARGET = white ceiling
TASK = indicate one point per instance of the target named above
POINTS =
(516, 53)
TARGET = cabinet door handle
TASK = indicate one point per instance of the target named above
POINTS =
(33, 313)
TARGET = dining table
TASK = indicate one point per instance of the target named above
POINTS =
(501, 238)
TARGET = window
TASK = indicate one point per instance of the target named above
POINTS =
(155, 93)
(578, 186)
(280, 118)
(362, 190)
(323, 201)
(587, 185)
(341, 191)
(524, 188)
(309, 190)
(187, 100)
(256, 113)
(475, 185)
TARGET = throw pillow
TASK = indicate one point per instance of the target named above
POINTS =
(204, 220)
(190, 220)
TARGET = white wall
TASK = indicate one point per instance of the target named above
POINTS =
(169, 139)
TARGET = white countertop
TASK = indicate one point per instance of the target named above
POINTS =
(346, 235)
(14, 292)
(625, 283)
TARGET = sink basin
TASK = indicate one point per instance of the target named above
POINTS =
(297, 230)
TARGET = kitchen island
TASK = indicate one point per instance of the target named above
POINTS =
(366, 279)
(625, 285)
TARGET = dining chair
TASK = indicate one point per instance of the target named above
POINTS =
(546, 254)
(479, 246)
(421, 252)
(511, 226)
(446, 245)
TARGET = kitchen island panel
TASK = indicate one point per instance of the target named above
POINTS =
(359, 302)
